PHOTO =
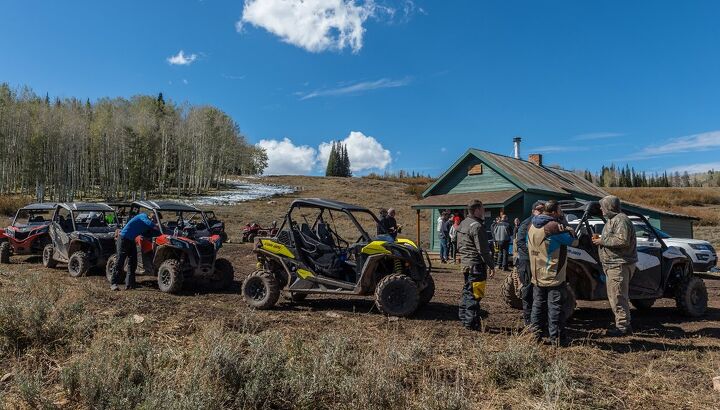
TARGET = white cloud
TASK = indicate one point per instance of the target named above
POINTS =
(365, 152)
(315, 25)
(356, 88)
(181, 59)
(692, 143)
(286, 158)
(597, 136)
(696, 168)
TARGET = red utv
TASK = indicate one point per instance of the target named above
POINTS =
(185, 249)
(28, 233)
(253, 230)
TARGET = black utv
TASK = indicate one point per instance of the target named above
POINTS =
(326, 247)
(661, 271)
(83, 236)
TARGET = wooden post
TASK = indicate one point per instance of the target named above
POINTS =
(417, 228)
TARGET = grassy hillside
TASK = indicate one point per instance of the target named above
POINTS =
(71, 343)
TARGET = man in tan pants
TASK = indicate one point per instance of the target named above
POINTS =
(618, 255)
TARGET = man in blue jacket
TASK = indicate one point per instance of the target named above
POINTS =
(140, 224)
(548, 240)
(523, 261)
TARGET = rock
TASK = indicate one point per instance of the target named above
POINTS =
(137, 319)
(393, 318)
(272, 202)
(716, 383)
(333, 315)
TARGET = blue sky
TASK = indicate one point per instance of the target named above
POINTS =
(408, 84)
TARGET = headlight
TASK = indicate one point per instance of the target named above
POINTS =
(179, 243)
(701, 247)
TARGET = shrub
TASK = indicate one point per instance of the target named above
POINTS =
(40, 315)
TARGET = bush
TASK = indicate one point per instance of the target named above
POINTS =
(40, 316)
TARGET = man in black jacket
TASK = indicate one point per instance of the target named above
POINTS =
(523, 261)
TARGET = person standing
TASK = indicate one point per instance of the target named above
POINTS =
(453, 239)
(502, 232)
(523, 261)
(477, 264)
(138, 225)
(618, 255)
(548, 240)
(393, 227)
(445, 237)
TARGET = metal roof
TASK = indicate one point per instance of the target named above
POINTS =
(493, 198)
(86, 206)
(166, 206)
(327, 203)
(44, 206)
(529, 176)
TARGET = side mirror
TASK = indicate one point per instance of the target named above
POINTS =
(593, 209)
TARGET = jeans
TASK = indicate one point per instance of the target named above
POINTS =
(526, 289)
(473, 291)
(503, 256)
(125, 250)
(548, 304)
(444, 245)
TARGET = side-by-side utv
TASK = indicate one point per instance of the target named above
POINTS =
(83, 236)
(661, 271)
(325, 247)
(185, 248)
(28, 232)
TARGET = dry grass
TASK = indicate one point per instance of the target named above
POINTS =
(665, 198)
(703, 203)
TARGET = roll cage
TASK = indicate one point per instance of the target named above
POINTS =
(591, 209)
(326, 208)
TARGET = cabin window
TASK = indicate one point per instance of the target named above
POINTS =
(475, 169)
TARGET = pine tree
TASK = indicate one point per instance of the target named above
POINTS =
(331, 168)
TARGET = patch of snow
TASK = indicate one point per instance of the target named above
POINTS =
(243, 191)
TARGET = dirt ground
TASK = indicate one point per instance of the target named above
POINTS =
(668, 363)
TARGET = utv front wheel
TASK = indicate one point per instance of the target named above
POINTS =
(510, 292)
(428, 292)
(224, 274)
(691, 297)
(397, 295)
(170, 276)
(5, 252)
(48, 260)
(110, 265)
(570, 302)
(79, 264)
(261, 290)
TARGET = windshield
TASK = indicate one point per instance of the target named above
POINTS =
(181, 220)
(36, 217)
(94, 221)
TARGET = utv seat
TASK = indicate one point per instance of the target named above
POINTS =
(322, 258)
(325, 236)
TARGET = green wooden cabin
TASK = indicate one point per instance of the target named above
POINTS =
(510, 186)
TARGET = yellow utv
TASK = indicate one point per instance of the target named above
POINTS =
(325, 247)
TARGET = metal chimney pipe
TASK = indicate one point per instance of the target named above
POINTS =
(516, 143)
